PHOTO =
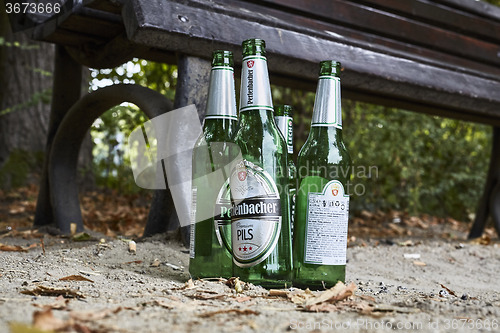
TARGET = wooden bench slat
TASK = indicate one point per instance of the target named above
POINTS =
(373, 20)
(187, 28)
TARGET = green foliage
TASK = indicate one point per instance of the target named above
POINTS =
(44, 96)
(425, 163)
(18, 167)
(493, 2)
(111, 130)
(405, 160)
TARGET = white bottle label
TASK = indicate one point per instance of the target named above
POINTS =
(252, 95)
(326, 226)
(256, 214)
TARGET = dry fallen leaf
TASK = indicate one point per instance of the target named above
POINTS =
(237, 311)
(12, 248)
(299, 296)
(235, 283)
(483, 240)
(94, 315)
(164, 304)
(134, 262)
(243, 299)
(75, 278)
(60, 304)
(49, 291)
(188, 285)
(46, 321)
(419, 263)
(16, 248)
(339, 292)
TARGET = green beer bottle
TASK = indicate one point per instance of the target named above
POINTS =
(323, 168)
(210, 241)
(283, 117)
(260, 223)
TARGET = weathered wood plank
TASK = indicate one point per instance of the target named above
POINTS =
(110, 6)
(409, 29)
(196, 29)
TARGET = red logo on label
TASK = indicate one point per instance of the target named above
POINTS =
(242, 175)
(335, 190)
(250, 63)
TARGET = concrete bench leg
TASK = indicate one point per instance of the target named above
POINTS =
(65, 148)
(490, 201)
(65, 92)
(192, 88)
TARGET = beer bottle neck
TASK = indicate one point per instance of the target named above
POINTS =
(221, 101)
(219, 129)
(257, 120)
(285, 125)
(255, 92)
(327, 110)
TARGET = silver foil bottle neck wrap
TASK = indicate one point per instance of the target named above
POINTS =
(221, 101)
(327, 105)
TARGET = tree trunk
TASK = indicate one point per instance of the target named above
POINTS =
(26, 68)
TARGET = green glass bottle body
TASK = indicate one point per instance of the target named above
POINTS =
(283, 116)
(260, 223)
(323, 172)
(210, 243)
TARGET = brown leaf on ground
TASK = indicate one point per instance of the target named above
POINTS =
(60, 304)
(12, 248)
(75, 278)
(237, 311)
(16, 248)
(188, 285)
(164, 304)
(49, 291)
(235, 283)
(483, 240)
(243, 299)
(207, 297)
(133, 262)
(299, 296)
(46, 321)
(338, 293)
(94, 315)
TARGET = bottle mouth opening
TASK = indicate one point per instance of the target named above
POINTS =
(254, 46)
(222, 58)
(283, 110)
(330, 67)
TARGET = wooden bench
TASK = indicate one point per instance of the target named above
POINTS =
(440, 57)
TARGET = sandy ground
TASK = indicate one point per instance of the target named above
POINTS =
(401, 285)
